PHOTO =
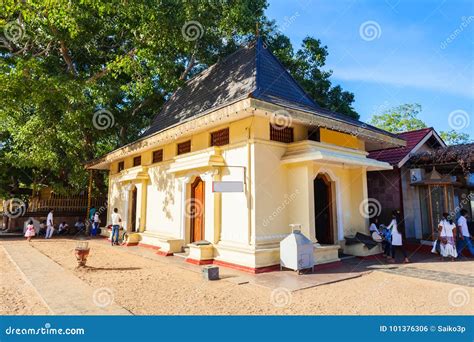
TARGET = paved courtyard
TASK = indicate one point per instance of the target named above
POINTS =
(42, 278)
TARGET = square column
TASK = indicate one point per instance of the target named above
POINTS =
(301, 207)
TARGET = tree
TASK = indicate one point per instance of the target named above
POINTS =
(399, 119)
(453, 137)
(404, 118)
(81, 78)
(306, 66)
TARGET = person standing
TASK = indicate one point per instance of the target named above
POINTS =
(447, 232)
(92, 212)
(116, 220)
(95, 224)
(49, 225)
(464, 235)
(397, 240)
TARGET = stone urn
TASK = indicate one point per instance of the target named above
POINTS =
(82, 252)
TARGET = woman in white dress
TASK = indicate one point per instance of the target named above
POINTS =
(397, 243)
(447, 233)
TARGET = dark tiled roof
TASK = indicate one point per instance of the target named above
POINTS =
(394, 155)
(251, 71)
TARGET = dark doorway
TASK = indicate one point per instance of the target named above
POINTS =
(134, 210)
(197, 210)
(323, 210)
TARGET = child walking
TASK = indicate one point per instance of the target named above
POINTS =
(30, 231)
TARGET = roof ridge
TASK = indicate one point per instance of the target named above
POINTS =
(262, 46)
(416, 130)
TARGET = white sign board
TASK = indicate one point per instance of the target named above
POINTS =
(229, 186)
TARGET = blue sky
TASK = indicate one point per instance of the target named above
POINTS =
(391, 52)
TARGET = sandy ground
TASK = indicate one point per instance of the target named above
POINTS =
(17, 297)
(145, 286)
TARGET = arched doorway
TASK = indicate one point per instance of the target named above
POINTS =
(323, 209)
(197, 210)
(133, 209)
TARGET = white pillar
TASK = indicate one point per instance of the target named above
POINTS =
(184, 187)
(126, 205)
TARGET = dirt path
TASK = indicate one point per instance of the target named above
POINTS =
(17, 296)
(145, 286)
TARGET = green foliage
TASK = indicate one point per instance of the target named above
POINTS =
(453, 137)
(306, 66)
(63, 61)
(399, 119)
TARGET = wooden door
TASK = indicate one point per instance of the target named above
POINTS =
(197, 210)
(323, 210)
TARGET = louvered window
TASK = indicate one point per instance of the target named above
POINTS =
(184, 147)
(157, 156)
(281, 133)
(220, 138)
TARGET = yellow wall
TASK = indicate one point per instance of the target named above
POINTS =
(242, 225)
(341, 139)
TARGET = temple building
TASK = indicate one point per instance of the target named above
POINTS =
(236, 156)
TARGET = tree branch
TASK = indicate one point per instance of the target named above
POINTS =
(106, 70)
(189, 67)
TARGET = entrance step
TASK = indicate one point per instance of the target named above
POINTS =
(183, 254)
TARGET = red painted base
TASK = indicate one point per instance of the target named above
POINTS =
(131, 244)
(418, 248)
(246, 268)
(199, 262)
(148, 246)
(163, 253)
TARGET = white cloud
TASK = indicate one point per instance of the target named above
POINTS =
(416, 74)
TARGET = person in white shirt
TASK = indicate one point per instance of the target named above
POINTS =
(49, 225)
(95, 224)
(397, 243)
(464, 235)
(447, 233)
(63, 228)
(116, 220)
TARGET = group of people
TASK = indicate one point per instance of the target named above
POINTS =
(390, 236)
(48, 228)
(453, 238)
